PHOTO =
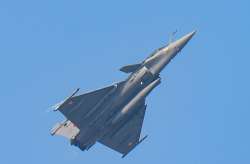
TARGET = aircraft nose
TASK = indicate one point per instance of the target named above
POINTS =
(179, 44)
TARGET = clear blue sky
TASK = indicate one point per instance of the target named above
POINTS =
(198, 115)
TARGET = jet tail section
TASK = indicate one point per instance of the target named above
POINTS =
(66, 129)
(130, 68)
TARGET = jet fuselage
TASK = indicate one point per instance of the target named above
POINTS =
(110, 114)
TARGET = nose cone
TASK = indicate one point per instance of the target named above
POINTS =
(161, 58)
(179, 44)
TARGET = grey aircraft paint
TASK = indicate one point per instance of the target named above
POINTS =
(114, 115)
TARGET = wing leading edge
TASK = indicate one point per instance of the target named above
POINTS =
(76, 108)
(127, 137)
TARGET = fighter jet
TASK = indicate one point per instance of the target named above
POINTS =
(114, 115)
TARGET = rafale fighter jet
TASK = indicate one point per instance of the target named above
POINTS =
(114, 115)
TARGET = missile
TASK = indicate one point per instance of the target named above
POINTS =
(61, 104)
(140, 141)
(135, 101)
